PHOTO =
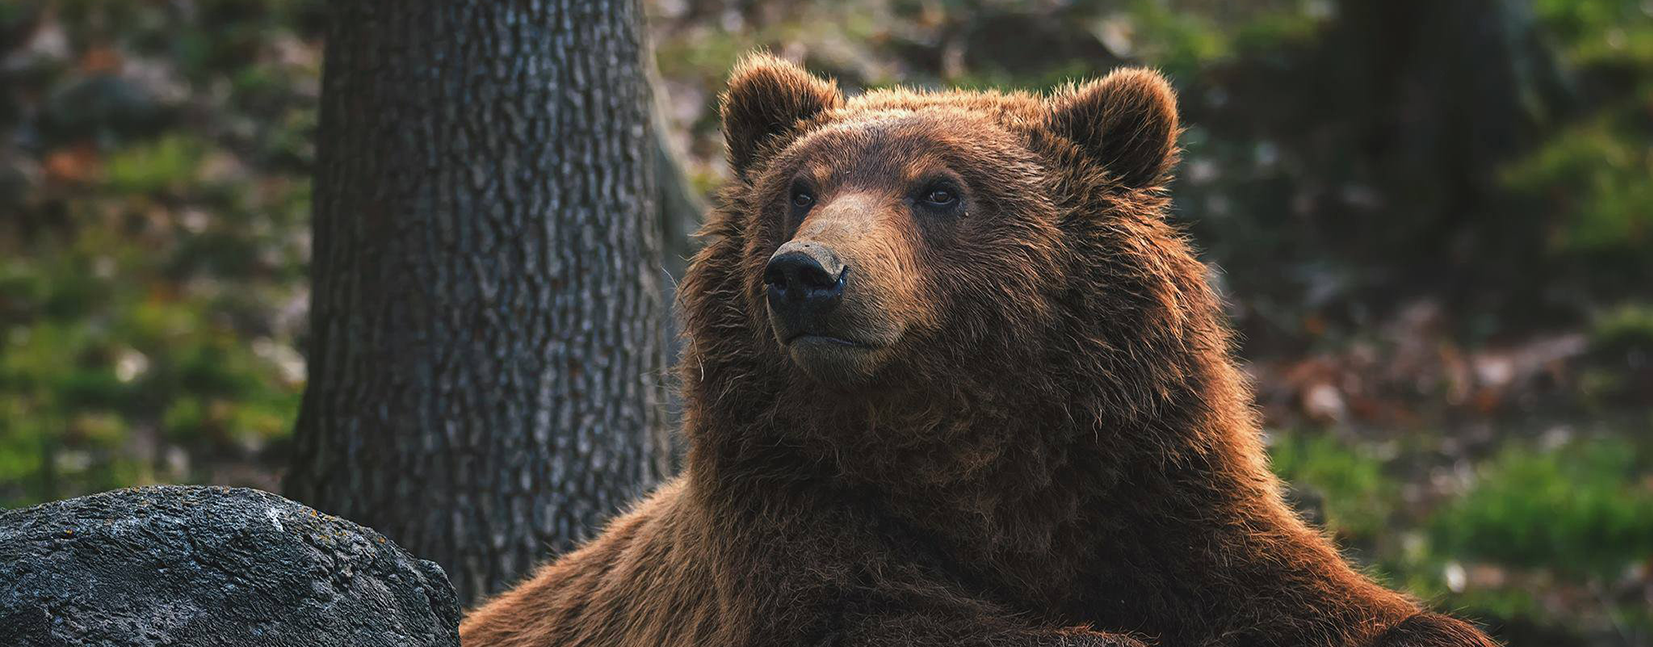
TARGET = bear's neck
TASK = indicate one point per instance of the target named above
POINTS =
(1025, 485)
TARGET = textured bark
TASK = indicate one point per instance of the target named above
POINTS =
(486, 363)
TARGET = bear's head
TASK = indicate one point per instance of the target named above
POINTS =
(897, 268)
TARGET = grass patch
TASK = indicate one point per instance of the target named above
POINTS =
(1355, 497)
(1582, 509)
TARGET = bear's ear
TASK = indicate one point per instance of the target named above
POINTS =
(1127, 121)
(767, 97)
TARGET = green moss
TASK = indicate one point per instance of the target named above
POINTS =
(1580, 509)
(1598, 172)
(1600, 31)
(164, 165)
(1357, 497)
(1628, 327)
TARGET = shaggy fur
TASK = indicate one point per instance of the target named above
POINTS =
(1057, 450)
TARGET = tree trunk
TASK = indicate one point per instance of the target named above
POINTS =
(486, 363)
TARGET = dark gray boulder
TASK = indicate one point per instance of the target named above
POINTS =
(186, 566)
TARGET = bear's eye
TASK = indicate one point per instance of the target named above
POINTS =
(801, 197)
(940, 197)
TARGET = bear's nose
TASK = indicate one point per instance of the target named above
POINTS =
(805, 279)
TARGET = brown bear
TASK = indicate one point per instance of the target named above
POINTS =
(951, 379)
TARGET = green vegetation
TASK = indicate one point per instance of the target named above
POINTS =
(1531, 526)
(1356, 498)
(152, 287)
(1594, 171)
(1578, 509)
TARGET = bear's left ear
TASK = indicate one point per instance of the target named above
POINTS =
(766, 99)
(1127, 121)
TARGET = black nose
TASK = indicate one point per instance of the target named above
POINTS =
(805, 279)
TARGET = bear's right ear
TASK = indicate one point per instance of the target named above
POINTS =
(766, 99)
(1127, 121)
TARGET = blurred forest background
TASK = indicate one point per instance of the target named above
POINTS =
(1433, 221)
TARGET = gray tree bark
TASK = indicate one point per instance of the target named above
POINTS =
(486, 359)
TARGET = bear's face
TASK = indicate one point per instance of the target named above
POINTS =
(899, 235)
(881, 229)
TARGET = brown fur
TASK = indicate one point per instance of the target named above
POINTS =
(1050, 443)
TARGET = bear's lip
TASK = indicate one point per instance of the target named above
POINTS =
(835, 361)
(818, 338)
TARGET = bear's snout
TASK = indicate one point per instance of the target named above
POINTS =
(824, 312)
(805, 282)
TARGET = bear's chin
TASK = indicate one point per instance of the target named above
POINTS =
(834, 362)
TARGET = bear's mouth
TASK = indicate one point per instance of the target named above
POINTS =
(836, 360)
(812, 338)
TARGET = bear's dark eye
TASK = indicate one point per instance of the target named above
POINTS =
(802, 198)
(940, 197)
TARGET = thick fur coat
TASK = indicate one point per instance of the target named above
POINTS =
(1021, 424)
